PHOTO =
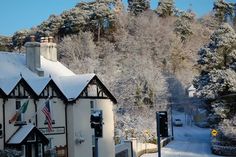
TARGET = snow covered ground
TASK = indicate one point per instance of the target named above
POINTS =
(189, 141)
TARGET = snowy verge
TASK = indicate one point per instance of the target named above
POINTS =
(164, 142)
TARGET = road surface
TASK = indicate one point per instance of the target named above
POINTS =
(190, 141)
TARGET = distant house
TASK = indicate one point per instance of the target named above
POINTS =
(34, 81)
(191, 90)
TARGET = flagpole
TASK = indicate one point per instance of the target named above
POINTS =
(40, 108)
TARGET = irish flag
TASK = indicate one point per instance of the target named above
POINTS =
(22, 109)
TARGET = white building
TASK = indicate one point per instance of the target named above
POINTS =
(34, 77)
(191, 91)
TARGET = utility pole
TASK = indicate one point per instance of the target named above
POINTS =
(158, 134)
(171, 115)
(96, 122)
(96, 145)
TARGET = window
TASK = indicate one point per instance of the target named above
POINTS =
(50, 112)
(20, 119)
(18, 105)
(1, 130)
(92, 106)
(40, 150)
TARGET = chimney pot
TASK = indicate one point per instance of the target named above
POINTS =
(46, 39)
(42, 39)
(50, 39)
(32, 38)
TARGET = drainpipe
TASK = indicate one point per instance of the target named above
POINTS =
(4, 129)
(132, 151)
(66, 129)
(36, 115)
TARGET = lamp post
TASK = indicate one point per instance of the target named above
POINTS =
(171, 123)
(158, 134)
(96, 122)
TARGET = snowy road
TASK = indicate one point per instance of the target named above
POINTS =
(190, 141)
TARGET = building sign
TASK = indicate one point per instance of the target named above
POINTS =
(55, 130)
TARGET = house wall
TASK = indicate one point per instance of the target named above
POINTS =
(10, 110)
(70, 128)
(57, 107)
(79, 127)
(106, 143)
(1, 122)
(79, 114)
(191, 93)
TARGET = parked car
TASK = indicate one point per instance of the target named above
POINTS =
(177, 122)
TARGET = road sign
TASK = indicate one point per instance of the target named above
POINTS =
(214, 132)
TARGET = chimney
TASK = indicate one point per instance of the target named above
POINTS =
(45, 48)
(33, 61)
(48, 49)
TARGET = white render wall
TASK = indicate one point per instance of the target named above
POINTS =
(79, 126)
(79, 114)
(106, 143)
(10, 110)
(57, 108)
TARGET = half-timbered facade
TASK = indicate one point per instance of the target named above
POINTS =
(37, 77)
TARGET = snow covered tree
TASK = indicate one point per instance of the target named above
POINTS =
(216, 82)
(222, 10)
(138, 6)
(165, 8)
(183, 25)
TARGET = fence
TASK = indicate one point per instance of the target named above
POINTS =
(134, 148)
(124, 149)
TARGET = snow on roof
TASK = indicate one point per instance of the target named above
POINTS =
(38, 84)
(67, 84)
(54, 69)
(13, 68)
(7, 84)
(191, 87)
(21, 134)
(14, 64)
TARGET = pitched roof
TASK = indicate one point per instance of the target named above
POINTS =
(8, 83)
(14, 64)
(13, 69)
(21, 135)
(68, 83)
(38, 83)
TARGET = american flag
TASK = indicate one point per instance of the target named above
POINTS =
(46, 111)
